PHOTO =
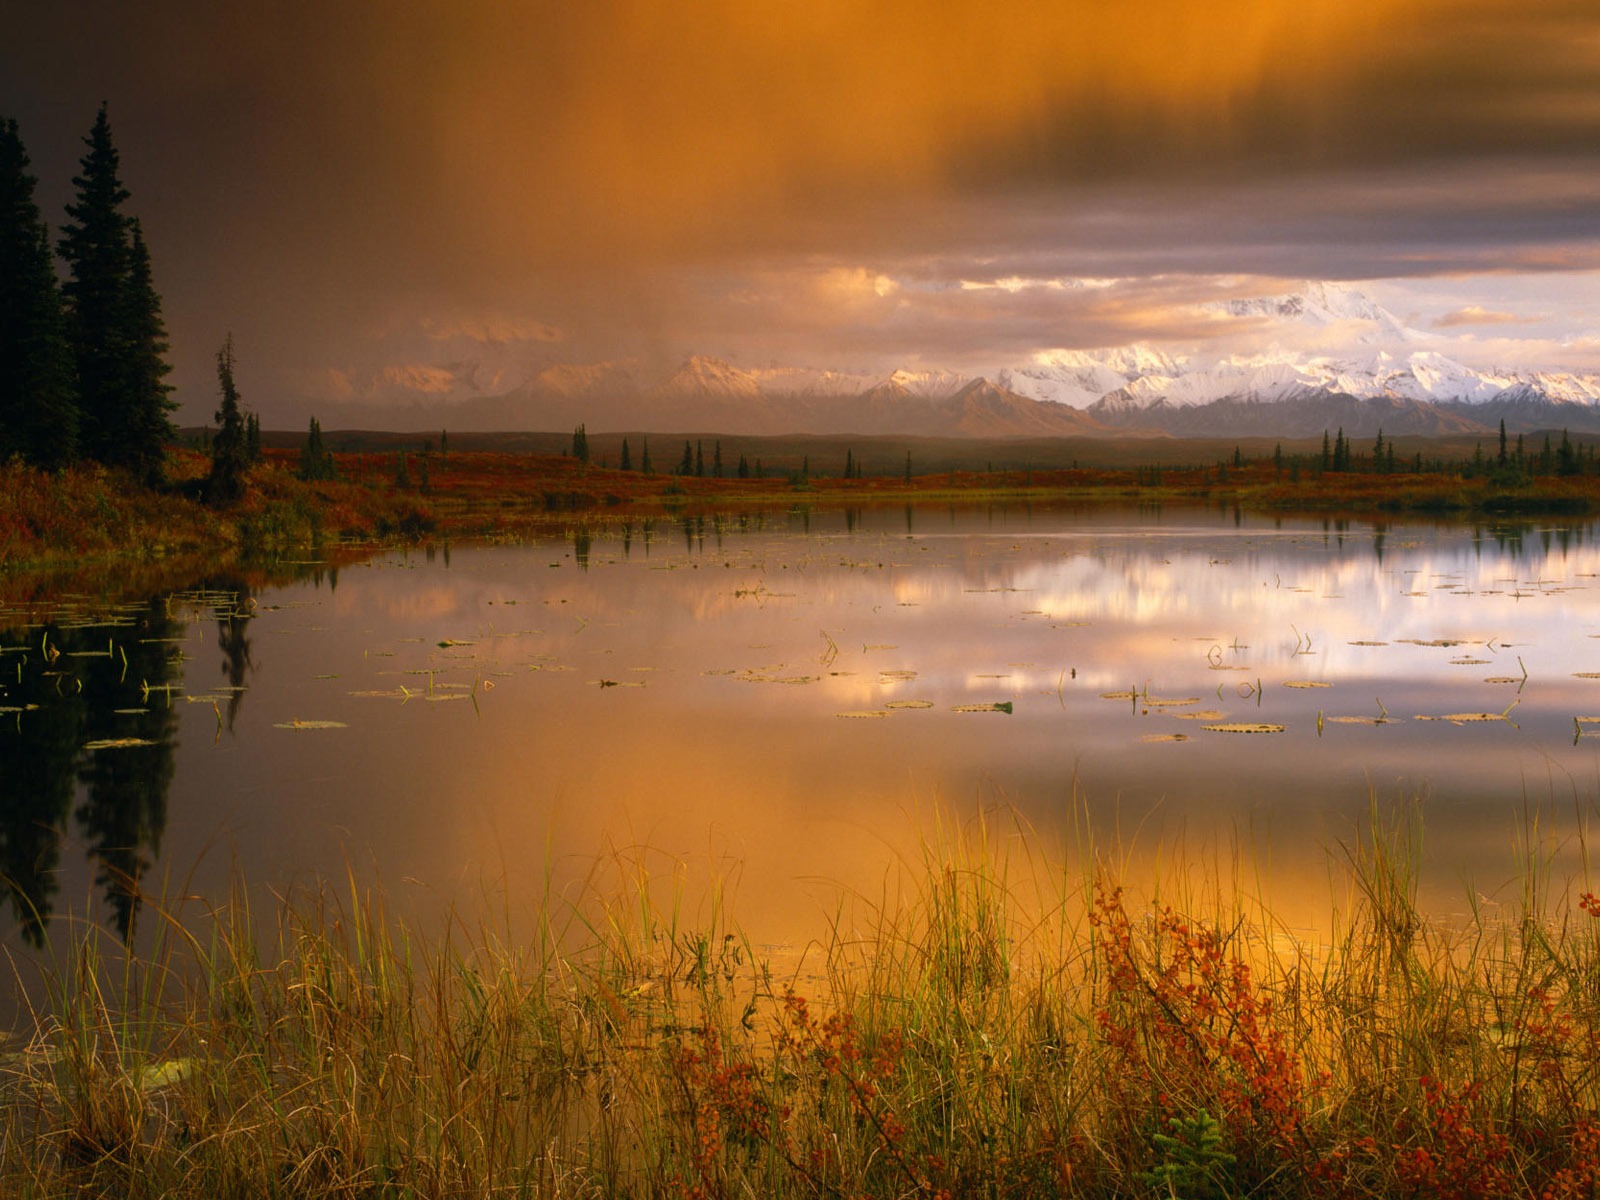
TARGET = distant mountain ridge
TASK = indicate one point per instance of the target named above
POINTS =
(1384, 377)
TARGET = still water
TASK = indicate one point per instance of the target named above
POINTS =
(795, 702)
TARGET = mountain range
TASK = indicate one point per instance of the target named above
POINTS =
(1385, 376)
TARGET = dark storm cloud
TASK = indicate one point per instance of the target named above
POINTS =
(313, 175)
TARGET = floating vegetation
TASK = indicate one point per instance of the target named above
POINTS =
(1003, 706)
(299, 724)
(1586, 674)
(1245, 727)
(123, 743)
(909, 704)
(383, 694)
(1465, 718)
(1306, 683)
(1367, 643)
(896, 675)
(762, 677)
(1359, 720)
(1128, 695)
(1203, 714)
(1165, 737)
(1470, 662)
(1177, 703)
(862, 714)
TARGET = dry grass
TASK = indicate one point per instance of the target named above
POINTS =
(1012, 1030)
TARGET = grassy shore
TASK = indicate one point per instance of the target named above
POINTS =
(1015, 1030)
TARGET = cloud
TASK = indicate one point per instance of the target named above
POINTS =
(615, 173)
(1474, 314)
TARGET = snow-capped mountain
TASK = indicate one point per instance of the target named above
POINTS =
(1369, 370)
(1321, 305)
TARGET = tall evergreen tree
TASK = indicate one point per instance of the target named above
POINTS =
(38, 399)
(230, 452)
(95, 245)
(147, 395)
(626, 462)
(316, 462)
(114, 319)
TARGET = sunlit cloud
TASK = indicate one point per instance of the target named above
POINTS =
(616, 180)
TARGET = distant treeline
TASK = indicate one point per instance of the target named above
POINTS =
(82, 363)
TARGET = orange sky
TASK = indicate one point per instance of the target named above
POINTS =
(625, 177)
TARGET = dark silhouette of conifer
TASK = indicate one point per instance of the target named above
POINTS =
(38, 397)
(626, 462)
(230, 452)
(315, 461)
(148, 425)
(114, 319)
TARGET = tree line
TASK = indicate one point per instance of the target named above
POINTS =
(83, 359)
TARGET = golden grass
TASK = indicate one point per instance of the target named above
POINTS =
(1011, 1029)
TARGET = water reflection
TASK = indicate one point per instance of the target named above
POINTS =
(504, 712)
(91, 705)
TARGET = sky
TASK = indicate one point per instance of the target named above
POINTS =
(363, 192)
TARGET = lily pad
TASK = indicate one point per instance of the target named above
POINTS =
(1245, 727)
(1306, 683)
(909, 704)
(298, 724)
(1003, 706)
(862, 715)
(117, 743)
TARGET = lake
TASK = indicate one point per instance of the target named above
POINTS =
(791, 705)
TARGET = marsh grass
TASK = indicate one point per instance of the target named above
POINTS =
(994, 1024)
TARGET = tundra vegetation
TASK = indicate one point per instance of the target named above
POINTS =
(1014, 1028)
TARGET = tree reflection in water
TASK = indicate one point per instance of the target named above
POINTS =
(91, 719)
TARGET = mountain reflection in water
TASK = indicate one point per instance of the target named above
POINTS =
(799, 694)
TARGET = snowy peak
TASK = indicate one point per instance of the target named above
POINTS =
(1320, 305)
(934, 384)
(700, 375)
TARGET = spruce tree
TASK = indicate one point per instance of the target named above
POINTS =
(230, 454)
(686, 467)
(95, 247)
(38, 399)
(148, 396)
(644, 459)
(114, 319)
(716, 460)
(315, 461)
(626, 462)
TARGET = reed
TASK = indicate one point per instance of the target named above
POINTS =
(999, 1025)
